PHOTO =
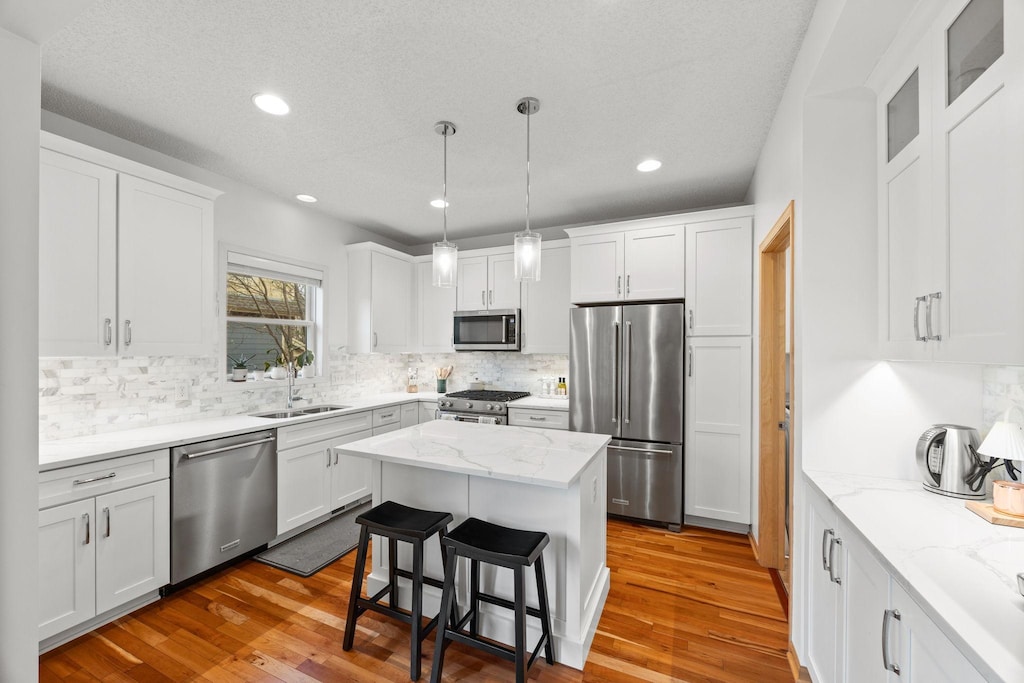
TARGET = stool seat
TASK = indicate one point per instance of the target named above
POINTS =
(496, 544)
(391, 518)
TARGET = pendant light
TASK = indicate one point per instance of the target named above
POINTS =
(527, 243)
(446, 254)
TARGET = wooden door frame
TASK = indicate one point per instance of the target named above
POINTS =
(775, 265)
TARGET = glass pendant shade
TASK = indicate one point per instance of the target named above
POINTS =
(446, 264)
(527, 256)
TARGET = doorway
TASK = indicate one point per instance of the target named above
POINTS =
(776, 398)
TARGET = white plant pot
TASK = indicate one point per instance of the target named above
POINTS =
(238, 374)
(278, 372)
(307, 371)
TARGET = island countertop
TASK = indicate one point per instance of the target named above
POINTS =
(544, 457)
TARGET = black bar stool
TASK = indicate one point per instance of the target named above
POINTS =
(397, 522)
(482, 541)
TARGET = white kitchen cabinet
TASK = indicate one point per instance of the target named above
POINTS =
(639, 264)
(434, 312)
(103, 541)
(822, 592)
(865, 598)
(488, 282)
(542, 419)
(717, 444)
(925, 654)
(719, 277)
(380, 292)
(428, 411)
(545, 315)
(410, 414)
(949, 278)
(126, 256)
(350, 476)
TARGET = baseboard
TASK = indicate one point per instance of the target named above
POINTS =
(800, 673)
(753, 546)
(717, 524)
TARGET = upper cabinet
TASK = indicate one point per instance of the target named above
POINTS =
(380, 292)
(487, 283)
(125, 256)
(436, 305)
(627, 262)
(545, 319)
(950, 174)
(719, 277)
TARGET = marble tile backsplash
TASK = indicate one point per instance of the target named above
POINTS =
(1003, 388)
(82, 396)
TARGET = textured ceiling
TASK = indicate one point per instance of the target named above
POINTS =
(694, 83)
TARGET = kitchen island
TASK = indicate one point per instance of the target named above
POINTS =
(536, 479)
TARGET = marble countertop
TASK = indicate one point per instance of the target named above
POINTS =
(958, 567)
(79, 450)
(541, 403)
(545, 457)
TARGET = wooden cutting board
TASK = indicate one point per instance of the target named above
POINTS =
(987, 512)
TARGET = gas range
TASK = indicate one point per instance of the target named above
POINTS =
(484, 407)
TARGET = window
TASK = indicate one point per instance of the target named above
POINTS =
(274, 312)
(903, 114)
(973, 43)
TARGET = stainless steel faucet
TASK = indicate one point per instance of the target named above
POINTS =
(291, 384)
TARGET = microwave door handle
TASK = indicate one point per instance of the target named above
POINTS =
(504, 329)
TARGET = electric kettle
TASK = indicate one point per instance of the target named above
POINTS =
(949, 461)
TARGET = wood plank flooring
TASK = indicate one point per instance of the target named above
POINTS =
(692, 607)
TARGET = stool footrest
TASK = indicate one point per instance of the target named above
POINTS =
(505, 652)
(364, 604)
(507, 604)
(429, 580)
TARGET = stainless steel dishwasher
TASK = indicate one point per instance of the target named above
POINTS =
(223, 501)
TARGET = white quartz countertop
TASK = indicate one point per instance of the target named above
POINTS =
(79, 450)
(541, 403)
(958, 567)
(545, 457)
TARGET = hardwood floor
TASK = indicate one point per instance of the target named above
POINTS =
(692, 607)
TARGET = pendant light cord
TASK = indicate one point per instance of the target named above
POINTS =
(527, 168)
(444, 184)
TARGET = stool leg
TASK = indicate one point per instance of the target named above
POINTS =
(417, 611)
(545, 614)
(392, 576)
(474, 596)
(357, 589)
(444, 563)
(520, 606)
(447, 597)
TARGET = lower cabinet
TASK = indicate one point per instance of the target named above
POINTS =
(410, 414)
(862, 626)
(544, 419)
(102, 552)
(428, 411)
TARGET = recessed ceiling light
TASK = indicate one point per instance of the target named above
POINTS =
(306, 198)
(648, 165)
(439, 203)
(272, 104)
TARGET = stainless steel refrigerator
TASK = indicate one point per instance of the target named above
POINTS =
(626, 379)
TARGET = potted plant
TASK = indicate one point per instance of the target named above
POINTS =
(304, 362)
(239, 368)
(277, 369)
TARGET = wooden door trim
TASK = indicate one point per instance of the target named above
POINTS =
(772, 383)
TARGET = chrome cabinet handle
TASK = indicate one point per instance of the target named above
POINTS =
(490, 297)
(833, 542)
(106, 513)
(627, 363)
(928, 316)
(618, 285)
(617, 388)
(917, 318)
(483, 297)
(824, 548)
(200, 454)
(627, 284)
(127, 332)
(690, 315)
(374, 340)
(108, 332)
(538, 419)
(88, 531)
(79, 482)
(689, 352)
(887, 617)
(328, 452)
(335, 457)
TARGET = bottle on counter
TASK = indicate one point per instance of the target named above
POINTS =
(562, 389)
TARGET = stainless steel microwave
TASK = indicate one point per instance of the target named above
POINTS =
(496, 330)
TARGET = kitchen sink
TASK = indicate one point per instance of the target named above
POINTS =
(298, 412)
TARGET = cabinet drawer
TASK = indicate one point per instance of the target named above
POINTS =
(387, 416)
(547, 419)
(96, 478)
(377, 431)
(321, 430)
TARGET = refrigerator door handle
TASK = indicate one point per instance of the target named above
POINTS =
(625, 371)
(615, 389)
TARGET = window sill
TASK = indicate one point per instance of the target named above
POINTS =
(267, 383)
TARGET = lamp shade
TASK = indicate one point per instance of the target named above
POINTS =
(527, 256)
(446, 264)
(1005, 440)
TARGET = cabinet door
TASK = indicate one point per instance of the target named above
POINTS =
(410, 414)
(428, 412)
(504, 288)
(350, 476)
(822, 591)
(655, 264)
(597, 268)
(67, 566)
(165, 270)
(77, 257)
(717, 452)
(391, 291)
(303, 484)
(865, 596)
(926, 655)
(472, 290)
(719, 277)
(133, 543)
(546, 305)
(436, 305)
